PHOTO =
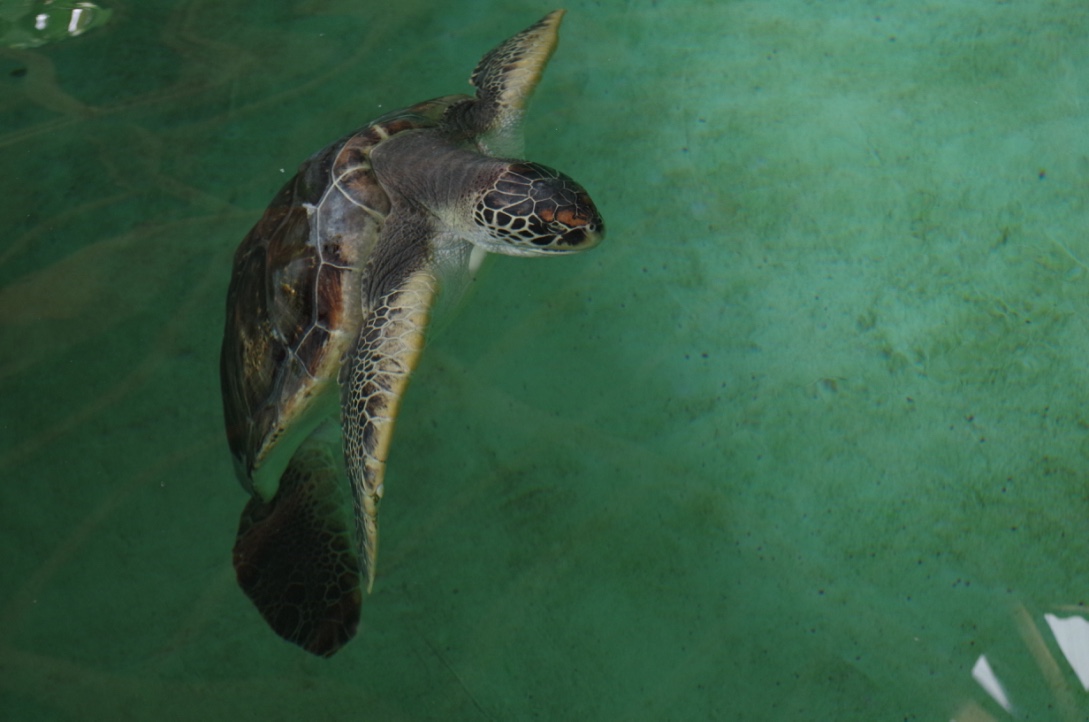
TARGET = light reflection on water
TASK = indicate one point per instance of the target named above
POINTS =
(32, 23)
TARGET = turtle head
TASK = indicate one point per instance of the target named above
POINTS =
(531, 209)
(513, 207)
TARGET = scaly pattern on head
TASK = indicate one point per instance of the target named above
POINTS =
(532, 209)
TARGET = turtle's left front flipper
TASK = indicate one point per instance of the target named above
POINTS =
(397, 296)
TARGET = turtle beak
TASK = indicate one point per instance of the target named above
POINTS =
(578, 226)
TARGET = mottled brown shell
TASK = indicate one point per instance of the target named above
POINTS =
(293, 305)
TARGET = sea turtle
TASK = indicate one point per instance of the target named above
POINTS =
(326, 312)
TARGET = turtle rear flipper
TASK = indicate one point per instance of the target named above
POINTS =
(295, 558)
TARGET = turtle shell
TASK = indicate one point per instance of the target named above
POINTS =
(293, 306)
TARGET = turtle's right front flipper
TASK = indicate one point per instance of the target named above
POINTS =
(397, 296)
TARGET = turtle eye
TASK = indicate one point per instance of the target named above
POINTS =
(532, 208)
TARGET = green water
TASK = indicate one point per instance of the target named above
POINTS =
(806, 438)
